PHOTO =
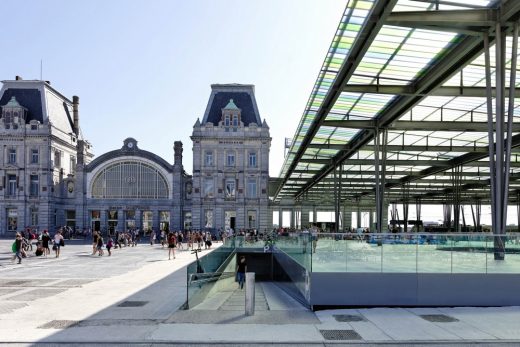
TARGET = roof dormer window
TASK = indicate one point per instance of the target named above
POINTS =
(231, 115)
(13, 112)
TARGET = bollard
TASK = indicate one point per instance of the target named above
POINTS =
(250, 293)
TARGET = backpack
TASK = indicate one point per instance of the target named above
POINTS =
(13, 247)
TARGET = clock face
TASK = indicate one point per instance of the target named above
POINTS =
(130, 144)
(70, 187)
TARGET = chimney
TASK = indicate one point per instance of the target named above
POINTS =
(75, 105)
(19, 78)
(177, 149)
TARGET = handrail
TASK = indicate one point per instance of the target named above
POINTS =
(216, 276)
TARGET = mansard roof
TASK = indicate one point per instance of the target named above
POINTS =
(43, 103)
(243, 96)
(31, 99)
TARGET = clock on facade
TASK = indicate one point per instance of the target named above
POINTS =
(70, 186)
(130, 144)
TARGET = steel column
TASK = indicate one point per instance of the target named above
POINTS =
(336, 195)
(418, 206)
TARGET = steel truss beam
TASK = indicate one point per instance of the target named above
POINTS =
(471, 19)
(406, 162)
(416, 125)
(365, 37)
(479, 92)
(461, 53)
(412, 148)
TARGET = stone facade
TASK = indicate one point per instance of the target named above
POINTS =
(48, 178)
(41, 143)
(231, 162)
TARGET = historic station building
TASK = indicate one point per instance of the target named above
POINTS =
(48, 178)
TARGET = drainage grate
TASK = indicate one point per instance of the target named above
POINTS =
(340, 335)
(438, 318)
(132, 303)
(348, 318)
(59, 324)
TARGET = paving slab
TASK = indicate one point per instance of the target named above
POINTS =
(74, 299)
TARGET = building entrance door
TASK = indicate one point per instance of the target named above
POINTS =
(230, 220)
(112, 222)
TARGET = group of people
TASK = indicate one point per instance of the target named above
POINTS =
(189, 240)
(23, 244)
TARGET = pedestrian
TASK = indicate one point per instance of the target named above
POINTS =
(45, 242)
(172, 240)
(58, 242)
(179, 240)
(110, 244)
(17, 248)
(100, 246)
(95, 238)
(241, 272)
(152, 238)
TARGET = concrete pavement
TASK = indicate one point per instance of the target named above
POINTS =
(86, 299)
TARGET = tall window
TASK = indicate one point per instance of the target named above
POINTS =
(251, 188)
(251, 219)
(208, 159)
(230, 159)
(70, 218)
(11, 185)
(35, 156)
(208, 188)
(227, 120)
(230, 188)
(34, 187)
(12, 219)
(12, 156)
(235, 120)
(252, 159)
(72, 168)
(57, 159)
(34, 216)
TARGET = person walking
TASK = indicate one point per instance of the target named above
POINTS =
(45, 242)
(58, 242)
(172, 240)
(110, 244)
(95, 238)
(241, 272)
(17, 248)
(99, 246)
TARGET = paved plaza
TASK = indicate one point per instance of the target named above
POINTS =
(134, 297)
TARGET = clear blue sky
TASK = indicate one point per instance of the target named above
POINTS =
(143, 69)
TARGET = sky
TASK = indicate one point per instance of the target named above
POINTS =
(143, 69)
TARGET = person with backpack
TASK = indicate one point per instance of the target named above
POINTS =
(172, 240)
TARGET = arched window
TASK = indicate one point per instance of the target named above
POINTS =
(129, 179)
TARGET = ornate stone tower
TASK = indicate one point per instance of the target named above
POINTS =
(230, 162)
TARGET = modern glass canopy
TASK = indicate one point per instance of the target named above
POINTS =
(415, 71)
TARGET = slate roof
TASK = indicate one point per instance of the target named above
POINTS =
(244, 100)
(28, 98)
